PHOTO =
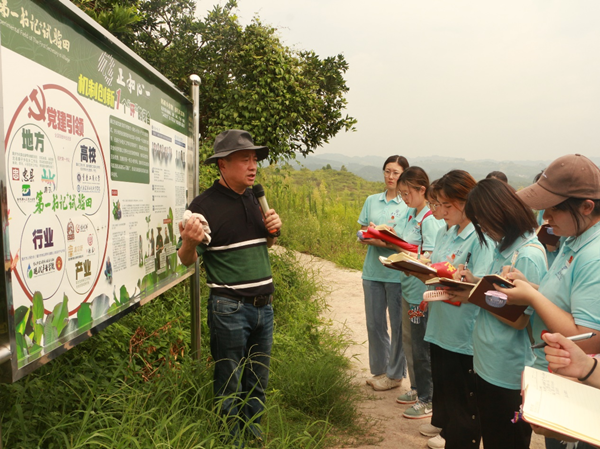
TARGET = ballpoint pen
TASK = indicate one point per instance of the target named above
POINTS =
(572, 338)
(466, 266)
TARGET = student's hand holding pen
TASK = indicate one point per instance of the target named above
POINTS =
(566, 358)
(512, 274)
(463, 273)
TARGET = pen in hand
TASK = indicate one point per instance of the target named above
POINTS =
(572, 338)
(466, 266)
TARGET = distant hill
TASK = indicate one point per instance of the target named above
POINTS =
(520, 173)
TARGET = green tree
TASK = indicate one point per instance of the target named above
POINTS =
(120, 19)
(291, 101)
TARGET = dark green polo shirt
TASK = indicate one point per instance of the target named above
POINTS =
(236, 260)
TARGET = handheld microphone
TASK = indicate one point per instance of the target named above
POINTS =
(259, 193)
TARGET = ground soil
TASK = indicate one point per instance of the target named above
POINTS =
(384, 415)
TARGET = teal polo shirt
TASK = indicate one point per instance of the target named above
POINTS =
(393, 213)
(448, 326)
(424, 232)
(572, 283)
(500, 352)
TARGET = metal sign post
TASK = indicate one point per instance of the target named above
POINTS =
(195, 279)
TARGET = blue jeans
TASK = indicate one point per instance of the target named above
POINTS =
(420, 353)
(241, 337)
(407, 343)
(385, 354)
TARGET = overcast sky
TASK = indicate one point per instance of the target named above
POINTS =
(510, 79)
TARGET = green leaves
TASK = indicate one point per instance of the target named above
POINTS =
(292, 101)
(21, 317)
(38, 318)
(84, 315)
(61, 315)
(123, 295)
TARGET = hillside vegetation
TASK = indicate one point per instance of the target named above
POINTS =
(319, 210)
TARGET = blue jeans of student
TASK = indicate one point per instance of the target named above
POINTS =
(386, 355)
(421, 358)
(241, 337)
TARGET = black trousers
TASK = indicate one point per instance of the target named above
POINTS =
(497, 407)
(454, 401)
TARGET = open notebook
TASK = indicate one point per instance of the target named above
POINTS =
(404, 262)
(562, 405)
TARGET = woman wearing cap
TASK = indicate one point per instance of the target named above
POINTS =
(567, 299)
(382, 288)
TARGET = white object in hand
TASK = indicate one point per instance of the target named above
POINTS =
(188, 214)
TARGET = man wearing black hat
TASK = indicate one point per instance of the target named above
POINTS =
(238, 272)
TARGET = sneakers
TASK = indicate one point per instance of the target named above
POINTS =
(437, 442)
(408, 397)
(418, 411)
(370, 380)
(428, 430)
(385, 383)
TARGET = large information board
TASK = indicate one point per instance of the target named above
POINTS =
(97, 167)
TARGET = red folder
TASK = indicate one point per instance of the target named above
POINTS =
(372, 233)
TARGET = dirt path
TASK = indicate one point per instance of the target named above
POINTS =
(346, 310)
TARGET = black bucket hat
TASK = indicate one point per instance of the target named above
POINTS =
(234, 140)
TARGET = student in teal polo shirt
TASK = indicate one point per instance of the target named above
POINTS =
(410, 396)
(450, 328)
(382, 288)
(421, 229)
(501, 348)
(567, 299)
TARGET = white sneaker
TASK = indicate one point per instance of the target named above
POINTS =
(437, 442)
(385, 383)
(370, 380)
(428, 430)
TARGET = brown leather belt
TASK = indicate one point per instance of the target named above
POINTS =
(256, 301)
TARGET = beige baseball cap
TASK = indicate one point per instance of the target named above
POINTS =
(570, 176)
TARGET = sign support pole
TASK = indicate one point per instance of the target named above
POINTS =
(5, 356)
(196, 314)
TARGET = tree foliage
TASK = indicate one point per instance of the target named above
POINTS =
(291, 101)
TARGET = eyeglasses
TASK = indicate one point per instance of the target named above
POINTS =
(432, 206)
(391, 174)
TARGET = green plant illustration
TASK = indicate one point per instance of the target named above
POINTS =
(36, 331)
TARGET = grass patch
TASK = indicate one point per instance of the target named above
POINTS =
(135, 386)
